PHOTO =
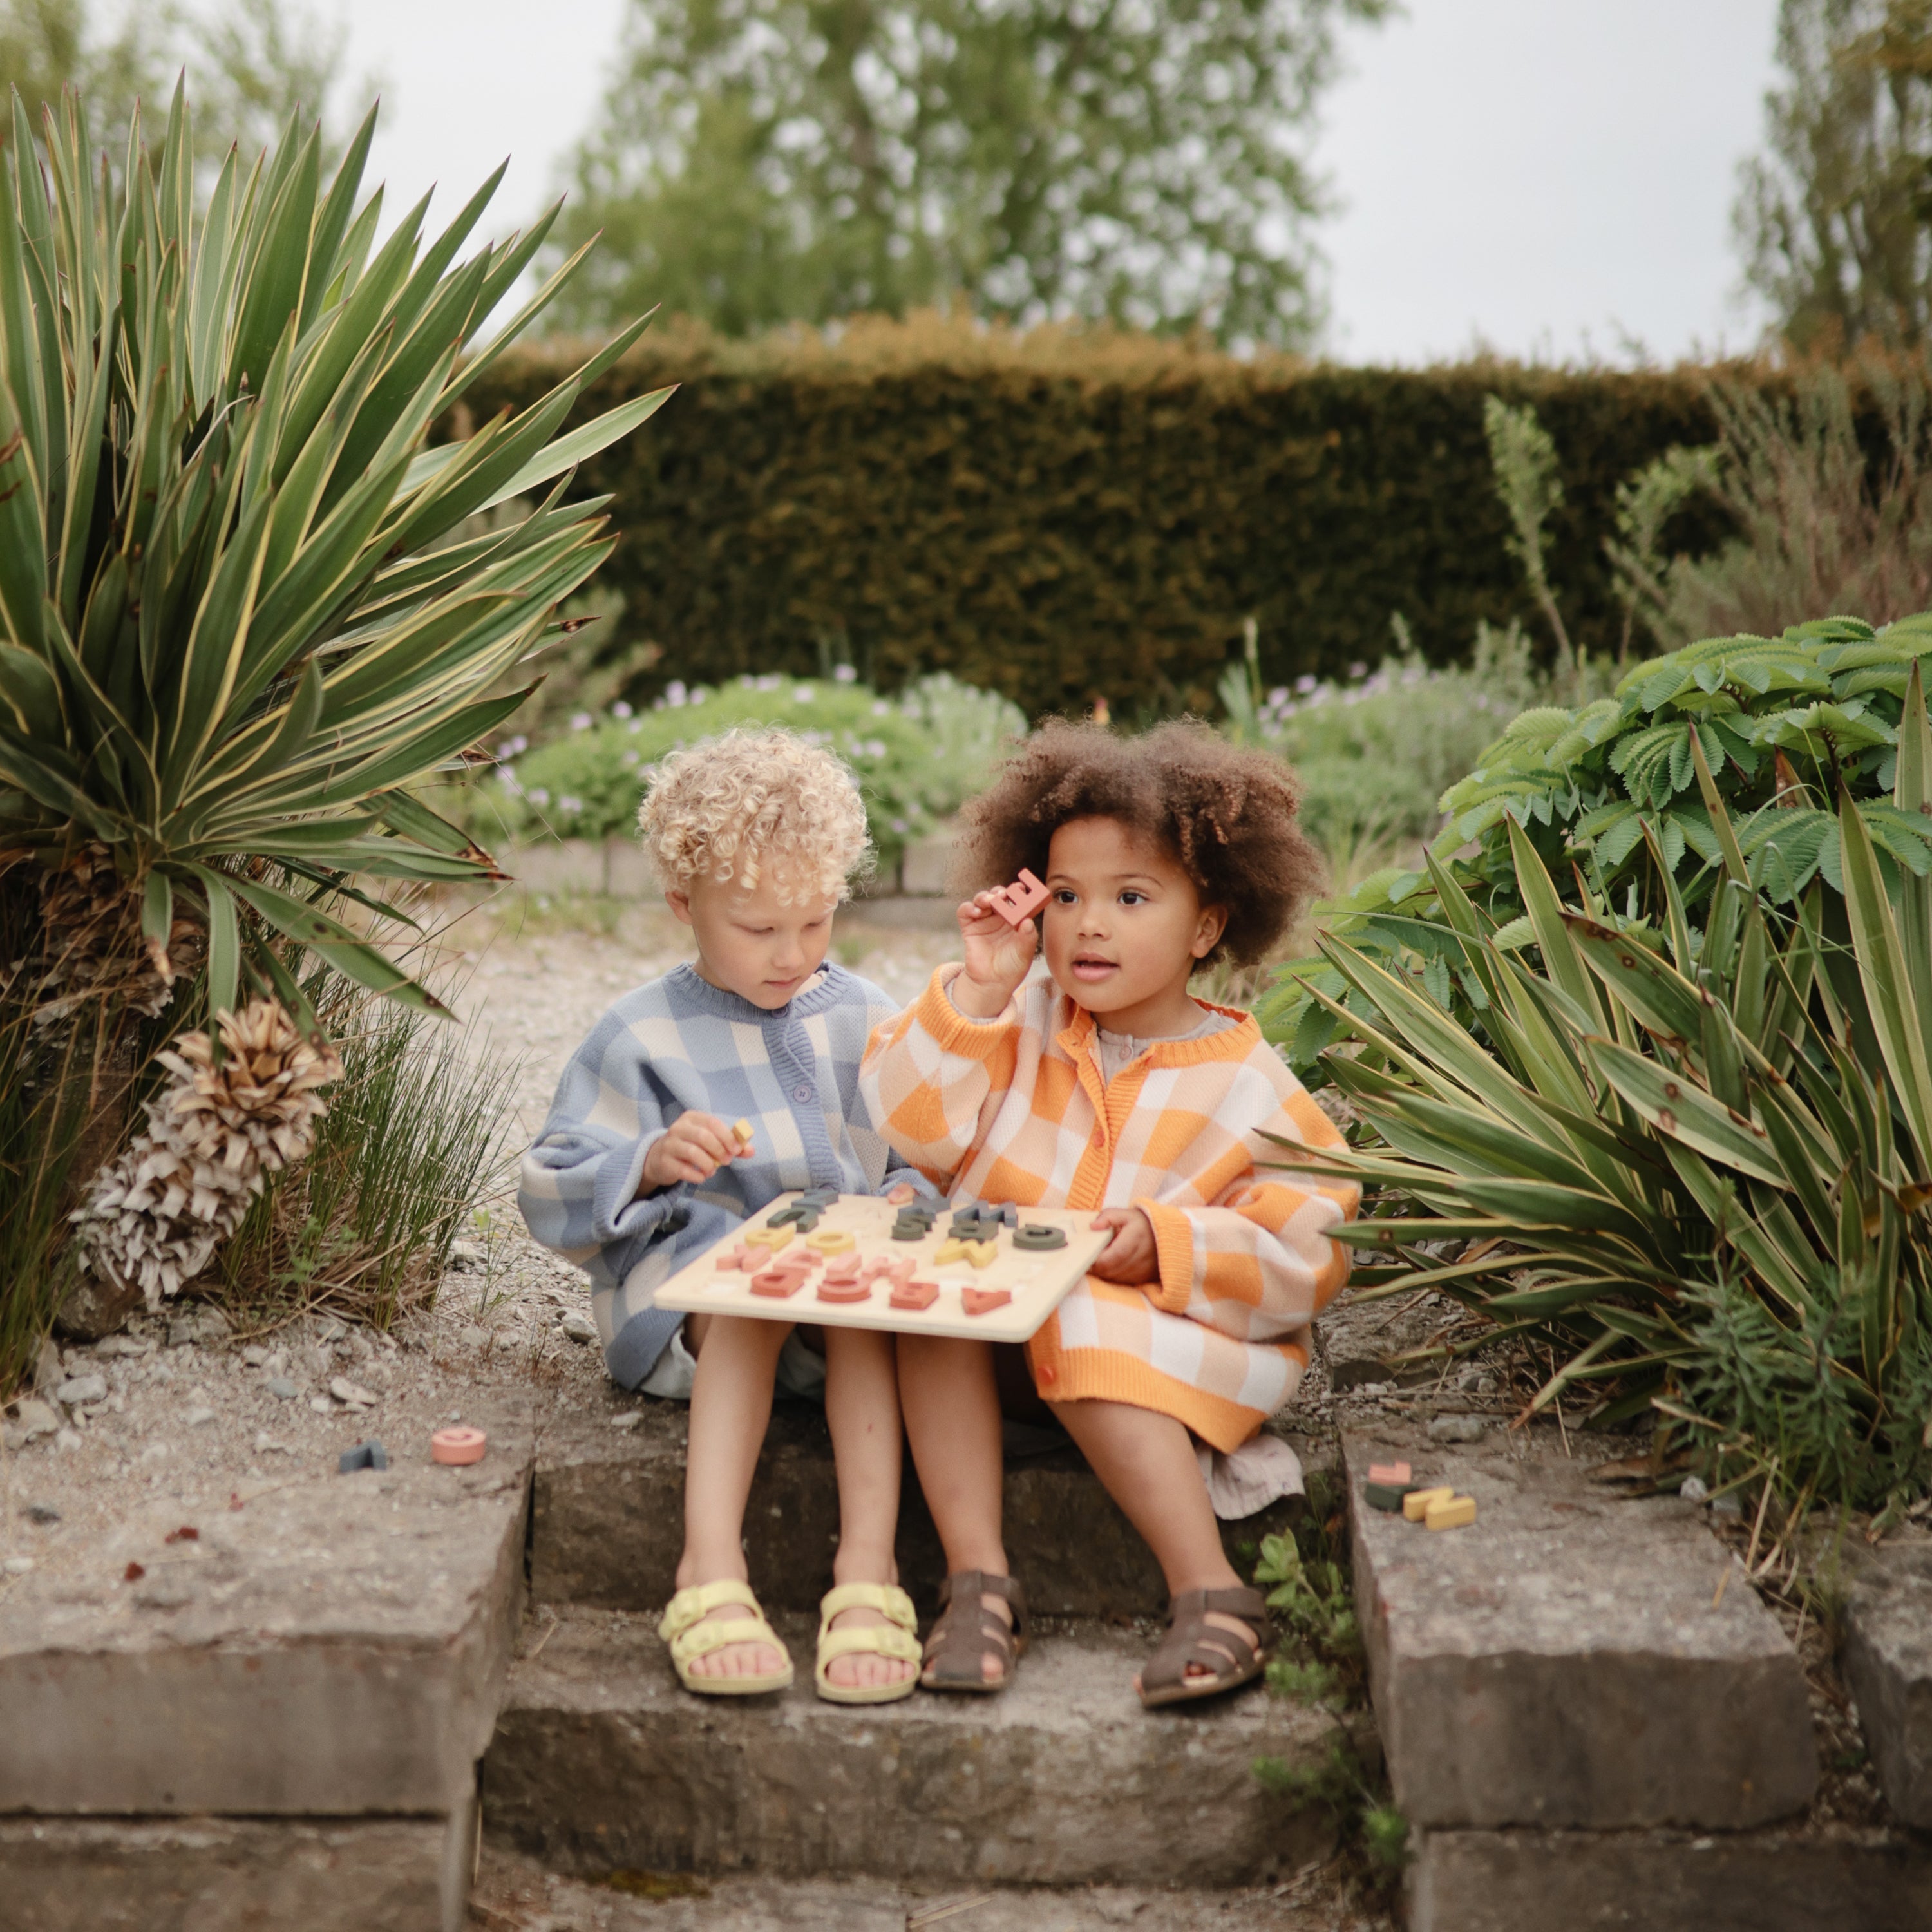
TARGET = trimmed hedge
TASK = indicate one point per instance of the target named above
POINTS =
(1062, 517)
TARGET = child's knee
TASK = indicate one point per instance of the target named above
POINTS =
(740, 1335)
(841, 1344)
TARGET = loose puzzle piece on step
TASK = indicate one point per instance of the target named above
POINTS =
(992, 1273)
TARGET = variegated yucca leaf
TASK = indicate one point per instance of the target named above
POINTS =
(243, 607)
(1698, 1174)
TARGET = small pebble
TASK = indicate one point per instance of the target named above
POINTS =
(82, 1388)
(198, 1416)
(1457, 1428)
(1728, 1509)
(579, 1327)
(467, 1255)
(628, 1420)
(68, 1438)
(17, 1566)
(41, 1512)
(472, 1336)
(321, 1405)
(254, 1354)
(37, 1418)
(1695, 1490)
(281, 1388)
(353, 1393)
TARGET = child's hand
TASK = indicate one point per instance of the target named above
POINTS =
(693, 1148)
(1130, 1258)
(998, 957)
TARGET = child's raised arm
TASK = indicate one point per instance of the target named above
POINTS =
(930, 1075)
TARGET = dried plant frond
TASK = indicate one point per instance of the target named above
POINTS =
(90, 946)
(154, 1215)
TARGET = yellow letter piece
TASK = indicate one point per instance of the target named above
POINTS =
(980, 1253)
(1452, 1514)
(831, 1241)
(774, 1238)
(1415, 1504)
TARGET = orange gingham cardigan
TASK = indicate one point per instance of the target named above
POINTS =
(1015, 1109)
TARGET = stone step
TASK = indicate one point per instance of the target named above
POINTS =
(1889, 1665)
(225, 1874)
(608, 1521)
(1766, 1881)
(517, 1895)
(600, 1761)
(321, 1645)
(1570, 1658)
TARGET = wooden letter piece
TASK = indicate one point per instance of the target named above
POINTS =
(843, 1288)
(1017, 902)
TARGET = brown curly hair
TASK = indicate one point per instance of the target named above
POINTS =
(1225, 815)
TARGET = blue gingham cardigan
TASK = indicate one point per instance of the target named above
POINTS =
(681, 1043)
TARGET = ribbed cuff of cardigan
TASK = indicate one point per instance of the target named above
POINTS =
(1174, 1245)
(617, 1213)
(954, 1031)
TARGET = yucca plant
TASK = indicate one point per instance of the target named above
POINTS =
(1694, 1167)
(245, 607)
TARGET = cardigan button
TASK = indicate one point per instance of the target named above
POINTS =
(1049, 1373)
(801, 1092)
(1100, 1137)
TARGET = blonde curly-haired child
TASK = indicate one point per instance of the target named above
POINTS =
(754, 835)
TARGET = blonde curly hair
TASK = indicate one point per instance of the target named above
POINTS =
(753, 805)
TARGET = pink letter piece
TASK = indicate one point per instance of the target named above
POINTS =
(1017, 902)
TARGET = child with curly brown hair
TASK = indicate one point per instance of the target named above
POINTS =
(1100, 1082)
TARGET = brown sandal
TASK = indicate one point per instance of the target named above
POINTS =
(1233, 1656)
(956, 1652)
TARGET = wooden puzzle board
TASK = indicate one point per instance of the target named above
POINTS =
(1038, 1280)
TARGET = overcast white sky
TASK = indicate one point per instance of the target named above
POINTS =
(1548, 178)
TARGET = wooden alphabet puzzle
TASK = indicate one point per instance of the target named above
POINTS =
(852, 1261)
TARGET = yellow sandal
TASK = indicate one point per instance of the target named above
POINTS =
(898, 1638)
(690, 1637)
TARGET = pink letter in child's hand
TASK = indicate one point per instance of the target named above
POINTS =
(1017, 903)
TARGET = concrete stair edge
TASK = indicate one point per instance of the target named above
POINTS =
(601, 1760)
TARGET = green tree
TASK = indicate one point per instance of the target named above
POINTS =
(759, 161)
(1835, 220)
(251, 62)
